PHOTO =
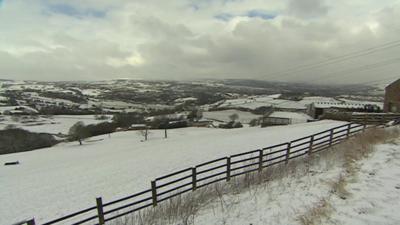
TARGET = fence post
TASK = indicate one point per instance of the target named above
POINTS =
(194, 178)
(311, 145)
(100, 212)
(260, 160)
(348, 130)
(31, 222)
(288, 152)
(331, 137)
(228, 169)
(364, 127)
(154, 192)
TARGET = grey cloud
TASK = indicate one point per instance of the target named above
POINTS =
(142, 40)
(155, 28)
(308, 8)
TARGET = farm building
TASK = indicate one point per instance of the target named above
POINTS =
(202, 123)
(317, 109)
(392, 97)
(275, 121)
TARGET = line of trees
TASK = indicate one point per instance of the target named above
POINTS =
(14, 140)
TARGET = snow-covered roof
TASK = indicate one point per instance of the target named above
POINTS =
(185, 99)
(138, 125)
(169, 116)
(339, 105)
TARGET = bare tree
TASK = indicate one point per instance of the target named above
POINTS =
(195, 114)
(144, 133)
(234, 117)
(78, 132)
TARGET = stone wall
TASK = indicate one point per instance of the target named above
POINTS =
(392, 97)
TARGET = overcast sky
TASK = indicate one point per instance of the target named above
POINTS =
(196, 39)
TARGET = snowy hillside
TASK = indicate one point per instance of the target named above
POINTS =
(51, 182)
(375, 194)
(320, 192)
(45, 124)
(312, 193)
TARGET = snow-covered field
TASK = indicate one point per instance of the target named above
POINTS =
(295, 117)
(53, 125)
(244, 117)
(254, 102)
(51, 182)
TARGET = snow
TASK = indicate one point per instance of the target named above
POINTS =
(14, 108)
(121, 105)
(347, 101)
(295, 117)
(5, 108)
(188, 99)
(91, 92)
(375, 194)
(278, 202)
(312, 99)
(55, 181)
(254, 102)
(339, 105)
(328, 102)
(244, 117)
(53, 125)
(56, 101)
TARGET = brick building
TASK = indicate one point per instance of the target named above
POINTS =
(392, 97)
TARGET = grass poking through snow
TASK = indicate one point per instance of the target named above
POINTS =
(183, 209)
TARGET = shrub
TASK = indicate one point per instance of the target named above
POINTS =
(127, 119)
(101, 117)
(101, 128)
(79, 131)
(231, 125)
(254, 122)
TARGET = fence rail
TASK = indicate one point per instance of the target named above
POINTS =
(374, 118)
(362, 118)
(204, 174)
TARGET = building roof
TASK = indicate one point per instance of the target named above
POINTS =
(339, 105)
(396, 82)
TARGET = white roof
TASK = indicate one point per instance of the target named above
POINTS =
(339, 105)
(185, 99)
(138, 125)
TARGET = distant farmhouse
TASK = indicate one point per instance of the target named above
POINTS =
(317, 109)
(392, 97)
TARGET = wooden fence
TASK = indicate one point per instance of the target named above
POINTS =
(374, 118)
(201, 175)
(362, 118)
